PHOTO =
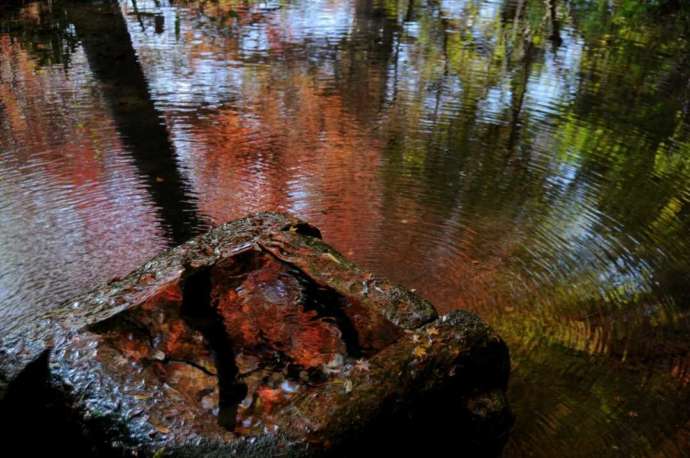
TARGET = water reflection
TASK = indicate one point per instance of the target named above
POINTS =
(525, 159)
(102, 32)
(72, 203)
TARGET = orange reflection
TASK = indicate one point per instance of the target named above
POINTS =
(67, 186)
(293, 148)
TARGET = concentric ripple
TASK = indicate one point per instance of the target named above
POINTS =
(525, 159)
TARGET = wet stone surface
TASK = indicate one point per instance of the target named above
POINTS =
(256, 339)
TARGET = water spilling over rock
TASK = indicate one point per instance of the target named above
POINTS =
(255, 339)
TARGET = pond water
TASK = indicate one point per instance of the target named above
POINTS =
(525, 159)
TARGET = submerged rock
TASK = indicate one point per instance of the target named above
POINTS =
(256, 339)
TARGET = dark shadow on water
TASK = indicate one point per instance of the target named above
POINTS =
(100, 28)
(102, 31)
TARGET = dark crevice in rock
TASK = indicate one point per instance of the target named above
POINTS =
(124, 323)
(303, 229)
(192, 364)
(328, 304)
(363, 331)
(200, 315)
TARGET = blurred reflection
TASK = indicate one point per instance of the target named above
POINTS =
(101, 30)
(74, 209)
(526, 159)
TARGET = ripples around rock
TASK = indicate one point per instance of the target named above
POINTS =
(527, 160)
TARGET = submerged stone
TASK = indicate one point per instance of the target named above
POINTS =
(256, 339)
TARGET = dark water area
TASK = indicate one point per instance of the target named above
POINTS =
(525, 159)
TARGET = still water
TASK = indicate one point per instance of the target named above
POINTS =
(525, 159)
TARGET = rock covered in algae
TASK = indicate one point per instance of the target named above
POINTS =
(255, 339)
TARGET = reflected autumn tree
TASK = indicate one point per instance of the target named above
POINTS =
(52, 31)
(557, 262)
(473, 144)
(103, 34)
(474, 79)
(525, 159)
(72, 203)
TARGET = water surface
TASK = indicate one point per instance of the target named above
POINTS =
(525, 159)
